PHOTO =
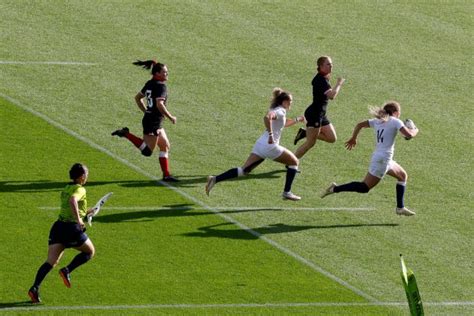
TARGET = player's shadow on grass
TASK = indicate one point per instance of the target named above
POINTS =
(38, 186)
(182, 210)
(184, 181)
(175, 210)
(239, 233)
(16, 304)
(189, 181)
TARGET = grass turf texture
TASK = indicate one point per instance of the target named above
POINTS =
(224, 59)
(144, 257)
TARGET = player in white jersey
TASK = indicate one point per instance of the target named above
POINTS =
(386, 125)
(268, 146)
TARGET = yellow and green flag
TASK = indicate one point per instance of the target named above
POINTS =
(411, 289)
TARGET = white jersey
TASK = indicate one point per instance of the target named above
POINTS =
(272, 151)
(277, 126)
(385, 133)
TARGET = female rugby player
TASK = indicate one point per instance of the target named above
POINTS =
(386, 125)
(267, 146)
(318, 125)
(151, 100)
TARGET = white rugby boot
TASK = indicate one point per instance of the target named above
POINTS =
(211, 181)
(290, 196)
(404, 211)
(329, 190)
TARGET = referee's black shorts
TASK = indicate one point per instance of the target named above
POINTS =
(70, 234)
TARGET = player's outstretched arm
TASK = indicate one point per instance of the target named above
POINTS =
(352, 142)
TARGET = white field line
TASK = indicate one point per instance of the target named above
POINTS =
(229, 219)
(233, 208)
(201, 306)
(62, 63)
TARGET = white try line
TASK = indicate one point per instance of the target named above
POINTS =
(62, 63)
(227, 208)
(226, 217)
(216, 306)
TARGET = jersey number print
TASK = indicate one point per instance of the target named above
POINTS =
(380, 136)
(149, 99)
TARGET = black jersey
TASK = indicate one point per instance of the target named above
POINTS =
(320, 86)
(153, 90)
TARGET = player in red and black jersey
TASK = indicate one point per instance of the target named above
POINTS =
(151, 100)
(318, 125)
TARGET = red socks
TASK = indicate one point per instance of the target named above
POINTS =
(137, 141)
(164, 163)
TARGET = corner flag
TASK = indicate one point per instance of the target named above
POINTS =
(411, 289)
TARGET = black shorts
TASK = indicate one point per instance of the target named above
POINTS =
(316, 118)
(151, 124)
(70, 234)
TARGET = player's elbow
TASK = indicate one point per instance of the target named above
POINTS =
(332, 95)
(138, 97)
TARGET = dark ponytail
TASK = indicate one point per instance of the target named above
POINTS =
(147, 64)
(150, 64)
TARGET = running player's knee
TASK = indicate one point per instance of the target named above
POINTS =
(164, 146)
(146, 151)
(91, 254)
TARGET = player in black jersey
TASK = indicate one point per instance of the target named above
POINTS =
(317, 123)
(151, 100)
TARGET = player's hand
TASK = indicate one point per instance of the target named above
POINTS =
(270, 139)
(173, 119)
(351, 143)
(300, 119)
(81, 223)
(340, 81)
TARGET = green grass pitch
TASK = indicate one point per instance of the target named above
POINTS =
(67, 82)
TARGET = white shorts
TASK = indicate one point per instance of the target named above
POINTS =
(270, 151)
(379, 166)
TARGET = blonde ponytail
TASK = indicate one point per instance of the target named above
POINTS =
(378, 112)
(383, 113)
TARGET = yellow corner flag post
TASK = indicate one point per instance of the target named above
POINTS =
(411, 289)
